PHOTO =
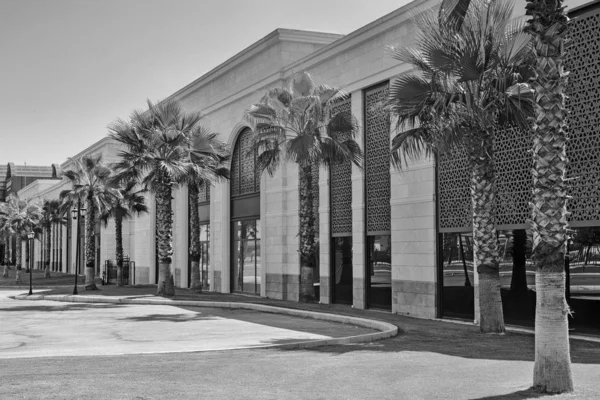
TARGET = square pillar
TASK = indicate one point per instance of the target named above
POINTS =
(358, 211)
(324, 237)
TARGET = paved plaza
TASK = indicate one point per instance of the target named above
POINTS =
(52, 329)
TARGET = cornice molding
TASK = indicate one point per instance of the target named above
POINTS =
(277, 36)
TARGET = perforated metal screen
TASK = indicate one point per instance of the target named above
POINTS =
(377, 160)
(514, 163)
(341, 184)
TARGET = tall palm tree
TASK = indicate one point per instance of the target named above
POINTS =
(51, 215)
(130, 202)
(471, 80)
(294, 123)
(548, 25)
(19, 217)
(91, 186)
(162, 147)
(209, 165)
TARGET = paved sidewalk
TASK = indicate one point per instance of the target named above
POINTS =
(46, 328)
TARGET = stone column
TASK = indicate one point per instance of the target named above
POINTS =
(358, 211)
(324, 237)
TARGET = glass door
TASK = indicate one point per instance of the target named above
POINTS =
(245, 274)
(342, 270)
(379, 272)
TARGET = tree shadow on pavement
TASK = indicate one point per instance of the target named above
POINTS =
(530, 393)
(170, 318)
(462, 341)
(62, 307)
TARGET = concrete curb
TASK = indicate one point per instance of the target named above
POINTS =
(386, 330)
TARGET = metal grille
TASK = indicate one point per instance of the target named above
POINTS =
(377, 157)
(315, 192)
(245, 177)
(583, 90)
(513, 178)
(453, 186)
(513, 162)
(341, 183)
(513, 183)
(204, 193)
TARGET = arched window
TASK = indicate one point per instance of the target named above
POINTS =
(245, 177)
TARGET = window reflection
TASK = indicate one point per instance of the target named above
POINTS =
(342, 270)
(246, 256)
(380, 271)
(457, 265)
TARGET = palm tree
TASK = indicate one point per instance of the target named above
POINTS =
(51, 215)
(130, 202)
(162, 148)
(469, 58)
(210, 156)
(294, 123)
(548, 25)
(92, 187)
(19, 218)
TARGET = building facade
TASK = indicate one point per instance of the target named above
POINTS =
(387, 240)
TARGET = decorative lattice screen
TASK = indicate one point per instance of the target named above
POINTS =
(513, 162)
(583, 90)
(315, 193)
(245, 177)
(204, 193)
(341, 184)
(377, 157)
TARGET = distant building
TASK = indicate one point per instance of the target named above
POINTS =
(15, 177)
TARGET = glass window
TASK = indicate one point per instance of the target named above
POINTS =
(246, 257)
(380, 272)
(342, 270)
(583, 279)
(457, 265)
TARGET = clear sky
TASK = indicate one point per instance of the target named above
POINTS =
(70, 67)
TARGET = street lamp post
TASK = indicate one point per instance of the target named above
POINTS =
(30, 238)
(77, 214)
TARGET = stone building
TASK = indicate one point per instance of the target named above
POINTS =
(385, 237)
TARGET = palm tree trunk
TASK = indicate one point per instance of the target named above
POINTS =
(307, 235)
(464, 262)
(19, 277)
(90, 247)
(164, 232)
(485, 241)
(119, 247)
(47, 252)
(552, 368)
(518, 282)
(196, 284)
(6, 256)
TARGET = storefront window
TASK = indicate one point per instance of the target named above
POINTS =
(342, 270)
(457, 264)
(380, 272)
(246, 256)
